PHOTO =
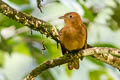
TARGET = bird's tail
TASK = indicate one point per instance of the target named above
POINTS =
(74, 64)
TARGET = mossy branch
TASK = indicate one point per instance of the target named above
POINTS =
(30, 21)
(102, 54)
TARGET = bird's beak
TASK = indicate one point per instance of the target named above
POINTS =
(61, 17)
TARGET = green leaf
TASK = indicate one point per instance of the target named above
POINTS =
(36, 53)
(20, 2)
(1, 58)
(47, 75)
(21, 48)
(88, 13)
(4, 46)
(6, 22)
(51, 47)
(116, 15)
(27, 10)
(96, 74)
(68, 72)
(101, 64)
(113, 25)
(104, 45)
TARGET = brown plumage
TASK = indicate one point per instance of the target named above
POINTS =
(73, 36)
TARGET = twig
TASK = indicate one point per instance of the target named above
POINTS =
(39, 5)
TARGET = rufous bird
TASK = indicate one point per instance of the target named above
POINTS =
(73, 36)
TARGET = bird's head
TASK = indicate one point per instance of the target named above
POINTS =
(71, 18)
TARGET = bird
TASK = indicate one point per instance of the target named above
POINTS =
(73, 36)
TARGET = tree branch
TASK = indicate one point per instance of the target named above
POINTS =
(30, 21)
(102, 54)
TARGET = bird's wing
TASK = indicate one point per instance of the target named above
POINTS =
(62, 46)
(85, 46)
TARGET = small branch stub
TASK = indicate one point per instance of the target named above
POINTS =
(39, 5)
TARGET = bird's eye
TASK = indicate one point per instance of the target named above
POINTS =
(71, 16)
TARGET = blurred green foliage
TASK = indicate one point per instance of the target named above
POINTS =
(99, 74)
(88, 13)
(20, 2)
(7, 22)
(1, 59)
(115, 21)
(41, 48)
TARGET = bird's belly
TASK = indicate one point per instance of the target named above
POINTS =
(73, 44)
(73, 39)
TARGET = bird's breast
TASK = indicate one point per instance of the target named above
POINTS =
(73, 39)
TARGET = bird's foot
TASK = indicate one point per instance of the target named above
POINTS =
(77, 53)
